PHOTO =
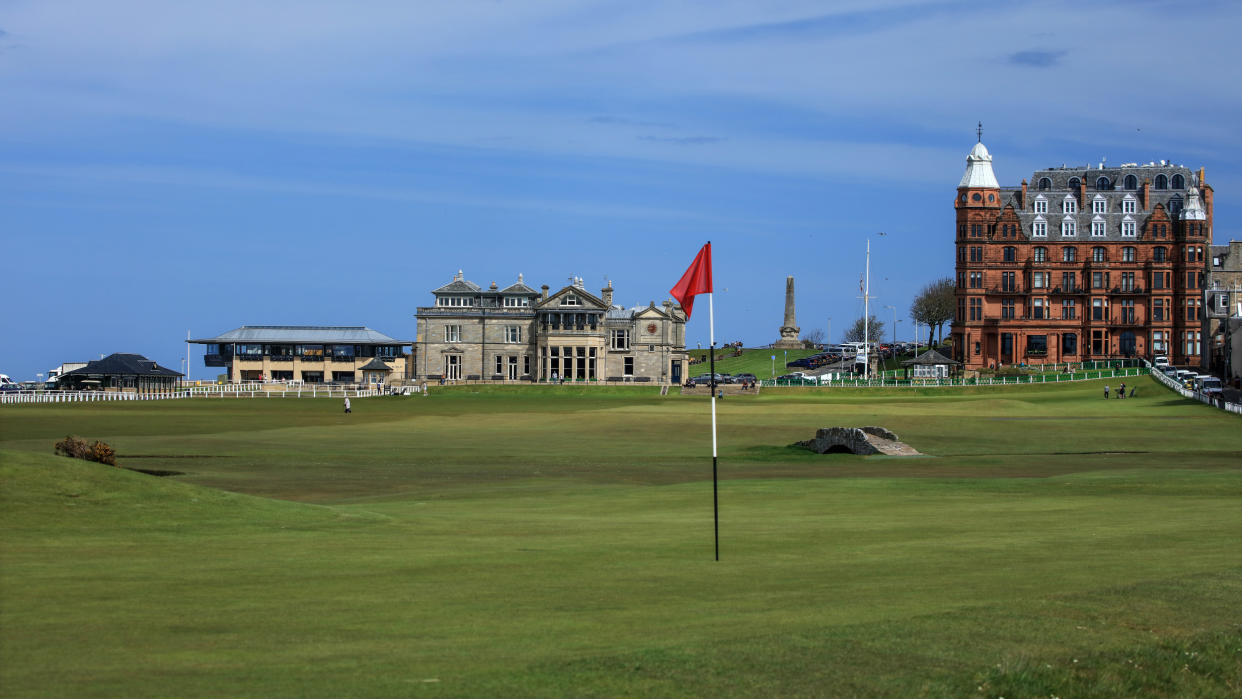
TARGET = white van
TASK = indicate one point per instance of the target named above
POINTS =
(1160, 361)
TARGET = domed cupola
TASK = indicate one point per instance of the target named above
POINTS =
(979, 173)
(1194, 206)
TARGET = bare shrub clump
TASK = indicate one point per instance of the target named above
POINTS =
(74, 448)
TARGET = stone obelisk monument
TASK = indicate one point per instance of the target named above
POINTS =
(789, 331)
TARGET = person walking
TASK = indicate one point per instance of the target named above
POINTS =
(347, 405)
(1121, 393)
(1106, 393)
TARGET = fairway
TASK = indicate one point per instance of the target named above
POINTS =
(548, 541)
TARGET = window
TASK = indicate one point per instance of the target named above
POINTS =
(1157, 254)
(1097, 228)
(976, 254)
(513, 333)
(1010, 254)
(1099, 205)
(1069, 254)
(1216, 261)
(1192, 309)
(455, 301)
(961, 280)
(1127, 281)
(1069, 343)
(1041, 204)
(1097, 280)
(452, 333)
(1179, 182)
(1160, 280)
(571, 300)
(516, 302)
(452, 367)
(1098, 254)
(1129, 254)
(1175, 204)
(1130, 182)
(1099, 338)
(1037, 309)
(1162, 182)
(1128, 229)
(1069, 205)
(1074, 183)
(1039, 280)
(976, 309)
(1157, 309)
(1006, 308)
(1008, 281)
(618, 339)
(1129, 205)
(500, 364)
(1192, 342)
(1069, 227)
(1158, 341)
(1097, 309)
(311, 352)
(1190, 280)
(1102, 184)
(1067, 281)
(961, 254)
(1039, 229)
(1044, 184)
(1040, 253)
(629, 367)
(976, 280)
(1069, 309)
(1037, 344)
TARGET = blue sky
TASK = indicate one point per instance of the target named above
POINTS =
(167, 167)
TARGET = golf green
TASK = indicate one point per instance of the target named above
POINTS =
(558, 540)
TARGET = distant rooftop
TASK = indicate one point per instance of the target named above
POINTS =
(315, 334)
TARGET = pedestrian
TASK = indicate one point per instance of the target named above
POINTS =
(347, 405)
(1121, 393)
(1106, 393)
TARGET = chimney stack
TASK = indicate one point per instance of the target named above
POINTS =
(607, 294)
(545, 292)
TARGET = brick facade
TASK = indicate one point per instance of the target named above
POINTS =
(1081, 264)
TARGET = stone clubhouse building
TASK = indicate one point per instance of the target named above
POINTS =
(521, 334)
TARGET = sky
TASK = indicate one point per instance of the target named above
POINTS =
(193, 167)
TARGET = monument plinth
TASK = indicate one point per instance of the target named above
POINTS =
(789, 331)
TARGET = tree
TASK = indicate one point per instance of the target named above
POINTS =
(935, 305)
(813, 338)
(875, 328)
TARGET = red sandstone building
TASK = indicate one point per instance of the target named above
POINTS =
(1082, 263)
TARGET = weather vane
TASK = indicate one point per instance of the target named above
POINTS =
(979, 131)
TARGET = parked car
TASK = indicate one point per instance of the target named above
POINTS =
(745, 378)
(705, 379)
(1160, 361)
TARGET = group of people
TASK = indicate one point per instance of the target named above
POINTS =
(1121, 391)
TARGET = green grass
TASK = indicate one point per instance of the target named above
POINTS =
(557, 540)
(753, 361)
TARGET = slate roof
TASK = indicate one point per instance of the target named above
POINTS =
(376, 365)
(458, 286)
(518, 288)
(316, 334)
(121, 364)
(931, 356)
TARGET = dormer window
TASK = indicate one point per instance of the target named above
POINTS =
(1074, 183)
(1162, 182)
(1099, 205)
(1044, 184)
(1103, 184)
(1069, 205)
(1130, 183)
(1128, 205)
(1097, 227)
(1041, 204)
(455, 301)
(1175, 204)
(1069, 228)
(1179, 182)
(1039, 228)
(1128, 228)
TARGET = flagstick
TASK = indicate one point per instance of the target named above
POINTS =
(711, 324)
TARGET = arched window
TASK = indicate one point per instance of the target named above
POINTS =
(1098, 254)
(1162, 182)
(1127, 254)
(1069, 254)
(1103, 184)
(1074, 183)
(1011, 253)
(1179, 182)
(1131, 182)
(1157, 254)
(1041, 253)
(1044, 184)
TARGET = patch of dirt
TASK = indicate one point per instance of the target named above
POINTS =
(155, 472)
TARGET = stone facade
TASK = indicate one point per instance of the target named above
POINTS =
(520, 334)
(1222, 299)
(1084, 263)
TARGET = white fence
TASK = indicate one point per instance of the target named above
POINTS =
(221, 391)
(1216, 401)
(1091, 375)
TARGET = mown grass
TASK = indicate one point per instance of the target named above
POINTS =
(552, 541)
(752, 361)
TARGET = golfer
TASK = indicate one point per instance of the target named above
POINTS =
(347, 405)
(1106, 393)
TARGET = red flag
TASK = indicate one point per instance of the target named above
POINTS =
(696, 280)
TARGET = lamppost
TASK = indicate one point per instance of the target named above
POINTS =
(828, 340)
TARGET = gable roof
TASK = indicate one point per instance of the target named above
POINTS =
(376, 364)
(317, 334)
(518, 288)
(590, 298)
(931, 356)
(122, 364)
(458, 286)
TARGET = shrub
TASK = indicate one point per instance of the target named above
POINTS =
(74, 448)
